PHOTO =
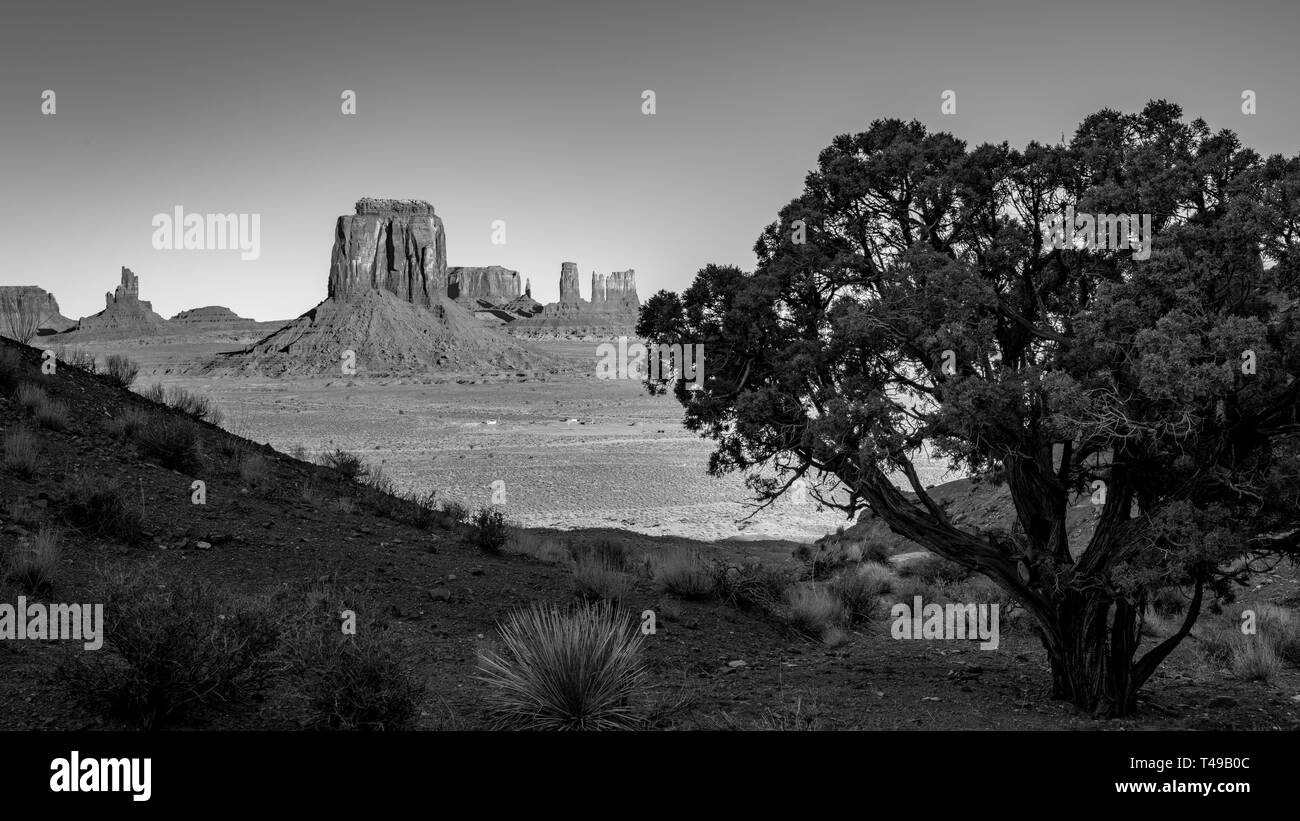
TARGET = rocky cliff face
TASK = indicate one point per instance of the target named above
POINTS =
(393, 245)
(124, 312)
(620, 290)
(492, 284)
(18, 303)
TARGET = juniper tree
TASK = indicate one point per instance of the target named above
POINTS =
(1165, 385)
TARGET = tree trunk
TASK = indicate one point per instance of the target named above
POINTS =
(1092, 667)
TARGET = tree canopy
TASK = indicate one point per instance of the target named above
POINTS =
(909, 298)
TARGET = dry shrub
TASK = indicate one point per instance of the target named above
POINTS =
(121, 370)
(575, 670)
(814, 609)
(34, 564)
(685, 573)
(21, 451)
(173, 647)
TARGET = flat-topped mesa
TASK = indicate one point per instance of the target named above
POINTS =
(569, 291)
(27, 305)
(208, 315)
(397, 246)
(375, 205)
(599, 282)
(493, 284)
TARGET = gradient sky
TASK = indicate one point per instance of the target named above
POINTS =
(531, 113)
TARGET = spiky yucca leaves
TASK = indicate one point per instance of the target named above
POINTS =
(573, 670)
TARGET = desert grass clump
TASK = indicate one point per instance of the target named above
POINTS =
(814, 609)
(684, 573)
(21, 451)
(173, 647)
(753, 586)
(934, 570)
(1254, 658)
(99, 508)
(604, 551)
(349, 681)
(50, 413)
(76, 357)
(34, 564)
(858, 595)
(536, 546)
(127, 423)
(595, 579)
(30, 397)
(173, 442)
(121, 370)
(1282, 629)
(491, 532)
(880, 576)
(194, 405)
(574, 670)
(360, 683)
(155, 393)
(53, 414)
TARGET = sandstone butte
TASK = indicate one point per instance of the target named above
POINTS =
(387, 302)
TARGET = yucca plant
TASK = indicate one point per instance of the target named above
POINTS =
(571, 670)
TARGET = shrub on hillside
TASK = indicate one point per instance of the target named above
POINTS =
(814, 609)
(121, 370)
(34, 563)
(348, 464)
(99, 508)
(127, 423)
(684, 573)
(173, 442)
(491, 532)
(858, 595)
(595, 578)
(174, 647)
(348, 681)
(194, 405)
(21, 452)
(753, 586)
(575, 670)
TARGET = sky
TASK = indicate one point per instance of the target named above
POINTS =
(531, 113)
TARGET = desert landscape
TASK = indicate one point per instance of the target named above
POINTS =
(606, 382)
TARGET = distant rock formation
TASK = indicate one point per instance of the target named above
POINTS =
(620, 291)
(494, 284)
(612, 309)
(29, 305)
(209, 315)
(124, 312)
(388, 305)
